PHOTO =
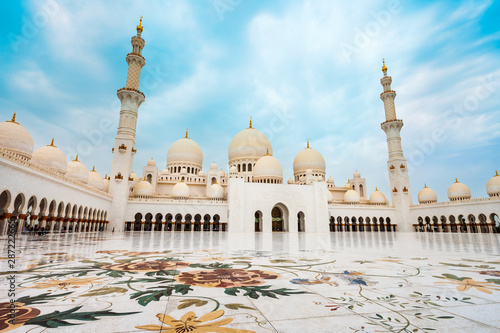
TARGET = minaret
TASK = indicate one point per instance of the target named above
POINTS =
(397, 165)
(123, 152)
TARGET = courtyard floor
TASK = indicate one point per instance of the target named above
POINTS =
(224, 282)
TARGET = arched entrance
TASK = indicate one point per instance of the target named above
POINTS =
(258, 221)
(279, 218)
(301, 222)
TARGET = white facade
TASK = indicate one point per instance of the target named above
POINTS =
(42, 189)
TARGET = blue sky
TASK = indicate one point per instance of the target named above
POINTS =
(302, 69)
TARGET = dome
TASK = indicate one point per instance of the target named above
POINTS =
(356, 175)
(222, 173)
(201, 173)
(50, 156)
(185, 150)
(309, 158)
(427, 195)
(377, 198)
(233, 170)
(348, 184)
(493, 186)
(213, 166)
(329, 196)
(290, 181)
(351, 196)
(16, 138)
(143, 188)
(135, 178)
(151, 162)
(249, 144)
(95, 180)
(77, 170)
(215, 191)
(330, 180)
(267, 167)
(165, 171)
(180, 190)
(458, 191)
(105, 181)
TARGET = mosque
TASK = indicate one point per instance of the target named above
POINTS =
(42, 189)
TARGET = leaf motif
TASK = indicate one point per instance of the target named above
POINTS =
(237, 306)
(39, 299)
(186, 303)
(495, 281)
(105, 291)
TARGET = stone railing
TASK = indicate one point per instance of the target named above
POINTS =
(11, 156)
(172, 200)
(339, 204)
(456, 202)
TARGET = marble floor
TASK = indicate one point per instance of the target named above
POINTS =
(223, 282)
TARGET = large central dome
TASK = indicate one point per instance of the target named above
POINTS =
(249, 144)
(185, 150)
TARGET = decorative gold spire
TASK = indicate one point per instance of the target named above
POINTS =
(456, 180)
(106, 176)
(76, 158)
(250, 123)
(496, 173)
(425, 185)
(187, 132)
(13, 119)
(376, 189)
(267, 152)
(139, 27)
(93, 168)
(52, 143)
(307, 143)
(384, 68)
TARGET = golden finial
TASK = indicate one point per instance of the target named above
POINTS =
(52, 143)
(13, 119)
(307, 143)
(250, 122)
(425, 185)
(456, 180)
(139, 27)
(376, 189)
(93, 168)
(106, 176)
(187, 132)
(267, 152)
(76, 158)
(496, 173)
(384, 68)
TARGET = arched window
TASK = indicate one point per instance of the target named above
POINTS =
(149, 178)
(249, 166)
(239, 168)
(361, 191)
(244, 167)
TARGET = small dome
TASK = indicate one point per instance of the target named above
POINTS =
(427, 195)
(330, 180)
(213, 166)
(135, 178)
(493, 186)
(233, 170)
(50, 156)
(267, 167)
(356, 175)
(348, 184)
(201, 173)
(329, 196)
(180, 190)
(320, 178)
(95, 180)
(77, 170)
(377, 198)
(165, 171)
(143, 188)
(16, 138)
(151, 162)
(249, 144)
(215, 191)
(290, 181)
(352, 197)
(222, 173)
(458, 191)
(105, 181)
(185, 150)
(309, 158)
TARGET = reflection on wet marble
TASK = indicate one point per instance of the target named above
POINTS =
(224, 282)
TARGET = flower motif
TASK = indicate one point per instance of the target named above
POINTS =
(318, 279)
(189, 323)
(466, 284)
(215, 259)
(111, 251)
(492, 273)
(355, 278)
(54, 253)
(141, 253)
(22, 315)
(225, 277)
(146, 266)
(64, 284)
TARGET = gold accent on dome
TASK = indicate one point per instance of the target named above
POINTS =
(384, 68)
(139, 27)
(52, 143)
(13, 120)
(307, 143)
(267, 152)
(76, 158)
(425, 185)
(187, 133)
(496, 173)
(456, 180)
(376, 189)
(93, 169)
(250, 122)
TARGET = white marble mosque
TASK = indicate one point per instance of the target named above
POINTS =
(42, 189)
